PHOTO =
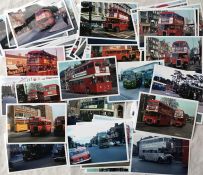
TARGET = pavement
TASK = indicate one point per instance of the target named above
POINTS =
(114, 153)
(176, 168)
(21, 137)
(128, 94)
(184, 131)
(35, 34)
(20, 164)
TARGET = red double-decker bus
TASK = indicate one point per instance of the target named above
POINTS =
(170, 24)
(180, 54)
(40, 62)
(92, 77)
(39, 126)
(158, 113)
(47, 93)
(117, 20)
(51, 92)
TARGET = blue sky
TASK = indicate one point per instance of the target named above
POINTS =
(58, 109)
(64, 65)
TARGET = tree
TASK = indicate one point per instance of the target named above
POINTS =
(170, 102)
(35, 86)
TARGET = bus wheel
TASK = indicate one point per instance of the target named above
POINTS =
(169, 160)
(124, 58)
(159, 160)
(87, 90)
(117, 29)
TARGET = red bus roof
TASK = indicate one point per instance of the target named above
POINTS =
(167, 13)
(33, 52)
(153, 100)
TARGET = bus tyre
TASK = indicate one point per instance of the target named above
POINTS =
(159, 160)
(117, 29)
(87, 90)
(169, 160)
(124, 58)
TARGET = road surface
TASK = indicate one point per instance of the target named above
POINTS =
(115, 153)
(15, 137)
(139, 165)
(128, 94)
(185, 131)
(20, 164)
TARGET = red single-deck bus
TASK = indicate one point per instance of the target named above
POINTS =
(158, 113)
(51, 92)
(170, 24)
(121, 53)
(39, 126)
(180, 54)
(40, 62)
(117, 21)
(44, 18)
(90, 77)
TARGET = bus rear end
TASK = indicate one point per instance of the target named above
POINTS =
(180, 54)
(39, 126)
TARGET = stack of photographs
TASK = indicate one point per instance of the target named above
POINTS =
(100, 85)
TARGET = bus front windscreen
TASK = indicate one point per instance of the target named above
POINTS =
(112, 20)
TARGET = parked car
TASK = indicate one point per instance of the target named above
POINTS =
(79, 155)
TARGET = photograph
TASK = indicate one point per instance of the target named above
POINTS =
(3, 33)
(122, 52)
(39, 21)
(38, 91)
(79, 53)
(107, 20)
(33, 62)
(104, 170)
(23, 157)
(100, 41)
(84, 110)
(178, 52)
(31, 123)
(178, 83)
(126, 164)
(159, 154)
(171, 116)
(134, 77)
(102, 142)
(88, 78)
(199, 119)
(166, 22)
